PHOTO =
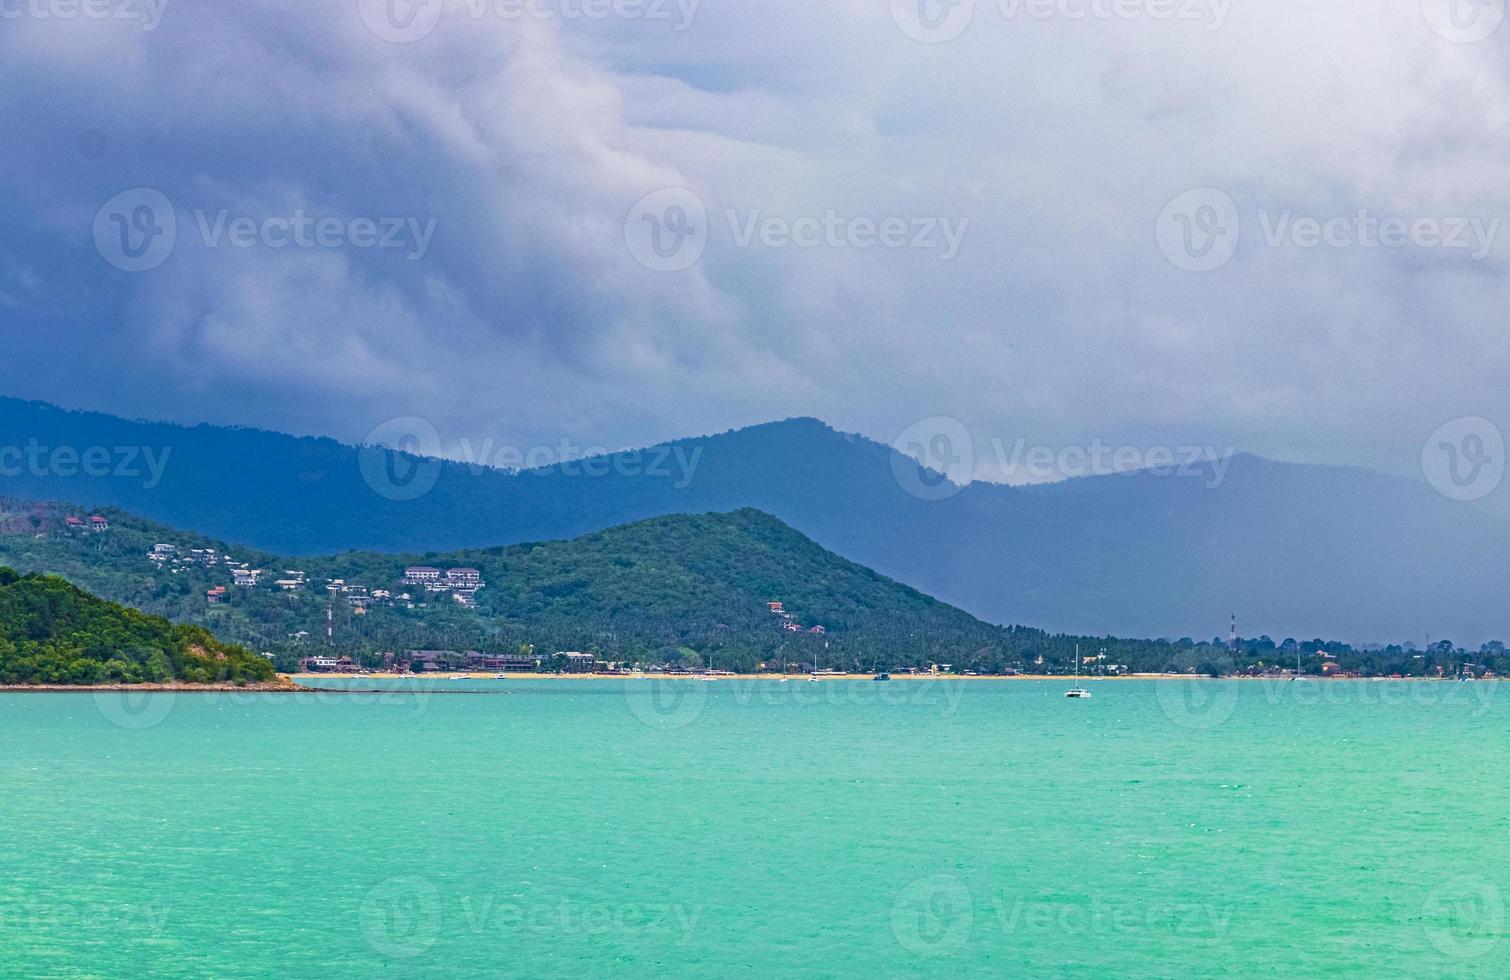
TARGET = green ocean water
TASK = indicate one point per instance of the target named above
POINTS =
(644, 828)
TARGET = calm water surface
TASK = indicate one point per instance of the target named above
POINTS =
(644, 828)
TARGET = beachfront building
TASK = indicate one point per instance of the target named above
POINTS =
(579, 663)
(329, 665)
(472, 661)
(435, 660)
(503, 662)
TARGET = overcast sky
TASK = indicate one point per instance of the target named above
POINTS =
(677, 218)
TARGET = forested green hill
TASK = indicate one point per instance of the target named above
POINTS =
(54, 633)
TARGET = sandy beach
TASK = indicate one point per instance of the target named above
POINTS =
(848, 677)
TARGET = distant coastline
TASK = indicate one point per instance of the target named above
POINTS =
(301, 683)
(856, 677)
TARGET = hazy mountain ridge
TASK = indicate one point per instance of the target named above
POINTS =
(1292, 549)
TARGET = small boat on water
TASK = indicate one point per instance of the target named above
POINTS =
(457, 677)
(882, 676)
(1077, 691)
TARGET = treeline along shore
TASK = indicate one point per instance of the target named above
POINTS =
(738, 592)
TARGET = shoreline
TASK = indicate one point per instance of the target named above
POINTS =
(441, 676)
(290, 684)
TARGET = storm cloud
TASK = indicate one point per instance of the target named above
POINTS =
(1273, 226)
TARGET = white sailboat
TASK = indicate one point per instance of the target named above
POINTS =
(1077, 691)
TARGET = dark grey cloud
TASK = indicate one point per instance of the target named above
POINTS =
(1050, 144)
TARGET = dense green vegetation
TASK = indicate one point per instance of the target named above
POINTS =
(676, 589)
(682, 589)
(54, 633)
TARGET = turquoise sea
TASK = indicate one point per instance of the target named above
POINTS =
(649, 828)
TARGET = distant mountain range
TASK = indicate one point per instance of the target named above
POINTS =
(1291, 549)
